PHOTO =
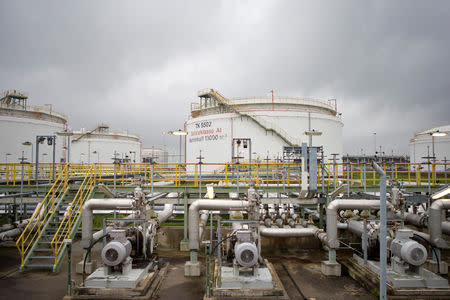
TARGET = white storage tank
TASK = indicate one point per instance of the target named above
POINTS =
(426, 142)
(153, 154)
(99, 145)
(21, 124)
(269, 122)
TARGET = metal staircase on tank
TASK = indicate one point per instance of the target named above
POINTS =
(266, 125)
(41, 244)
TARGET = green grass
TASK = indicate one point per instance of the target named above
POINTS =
(98, 219)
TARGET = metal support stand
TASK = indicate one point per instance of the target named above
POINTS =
(68, 243)
(185, 223)
(364, 241)
(200, 157)
(383, 246)
(151, 179)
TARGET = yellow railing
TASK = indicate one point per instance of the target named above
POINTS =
(42, 214)
(259, 171)
(73, 212)
(269, 173)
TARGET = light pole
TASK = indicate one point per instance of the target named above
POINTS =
(180, 133)
(310, 133)
(98, 155)
(272, 100)
(28, 143)
(51, 141)
(375, 142)
(68, 134)
(436, 133)
(134, 156)
(413, 142)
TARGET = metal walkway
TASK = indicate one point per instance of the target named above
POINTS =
(267, 126)
(41, 245)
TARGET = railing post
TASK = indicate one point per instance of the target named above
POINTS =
(226, 175)
(409, 174)
(433, 170)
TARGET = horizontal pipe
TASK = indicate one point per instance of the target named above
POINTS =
(165, 214)
(287, 232)
(334, 206)
(356, 227)
(342, 225)
(413, 219)
(10, 234)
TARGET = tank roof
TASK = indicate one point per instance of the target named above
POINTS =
(445, 128)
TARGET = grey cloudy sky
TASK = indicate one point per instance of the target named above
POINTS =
(139, 65)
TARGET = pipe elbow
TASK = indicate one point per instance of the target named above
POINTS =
(440, 204)
(194, 206)
(334, 205)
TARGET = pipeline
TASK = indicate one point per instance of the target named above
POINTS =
(17, 227)
(287, 232)
(202, 224)
(165, 214)
(200, 204)
(87, 217)
(334, 206)
(435, 222)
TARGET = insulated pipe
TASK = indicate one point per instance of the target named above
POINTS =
(446, 227)
(17, 227)
(423, 235)
(103, 204)
(383, 245)
(165, 214)
(287, 232)
(10, 234)
(108, 229)
(413, 219)
(342, 225)
(334, 206)
(202, 224)
(356, 227)
(200, 204)
(435, 222)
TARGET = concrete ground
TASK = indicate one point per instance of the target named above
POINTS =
(301, 267)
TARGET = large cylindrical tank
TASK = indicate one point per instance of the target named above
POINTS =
(425, 142)
(152, 154)
(21, 123)
(270, 123)
(99, 145)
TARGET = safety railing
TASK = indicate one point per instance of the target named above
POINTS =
(227, 174)
(73, 213)
(271, 126)
(46, 209)
(259, 171)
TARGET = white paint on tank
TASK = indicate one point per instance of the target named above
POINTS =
(213, 133)
(82, 151)
(17, 130)
(421, 145)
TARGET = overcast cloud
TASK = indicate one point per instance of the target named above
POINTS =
(139, 65)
